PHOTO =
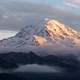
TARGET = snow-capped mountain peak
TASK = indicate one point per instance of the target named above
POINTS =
(59, 30)
(51, 31)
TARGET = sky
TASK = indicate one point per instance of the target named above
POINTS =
(62, 4)
(15, 14)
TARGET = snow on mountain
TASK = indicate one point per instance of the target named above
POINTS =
(60, 32)
(50, 33)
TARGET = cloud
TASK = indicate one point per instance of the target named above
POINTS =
(72, 5)
(37, 68)
(6, 34)
(14, 16)
(75, 2)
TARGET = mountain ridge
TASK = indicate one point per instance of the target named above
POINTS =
(51, 32)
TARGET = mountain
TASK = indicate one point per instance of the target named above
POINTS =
(60, 32)
(47, 33)
(23, 66)
(41, 46)
(13, 60)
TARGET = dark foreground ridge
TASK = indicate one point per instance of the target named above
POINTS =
(12, 61)
(39, 76)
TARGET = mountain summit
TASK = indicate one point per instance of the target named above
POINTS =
(51, 32)
(60, 32)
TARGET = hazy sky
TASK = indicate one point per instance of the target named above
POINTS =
(62, 4)
(15, 14)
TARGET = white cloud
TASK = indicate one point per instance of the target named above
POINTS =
(37, 68)
(6, 34)
(72, 5)
(76, 2)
